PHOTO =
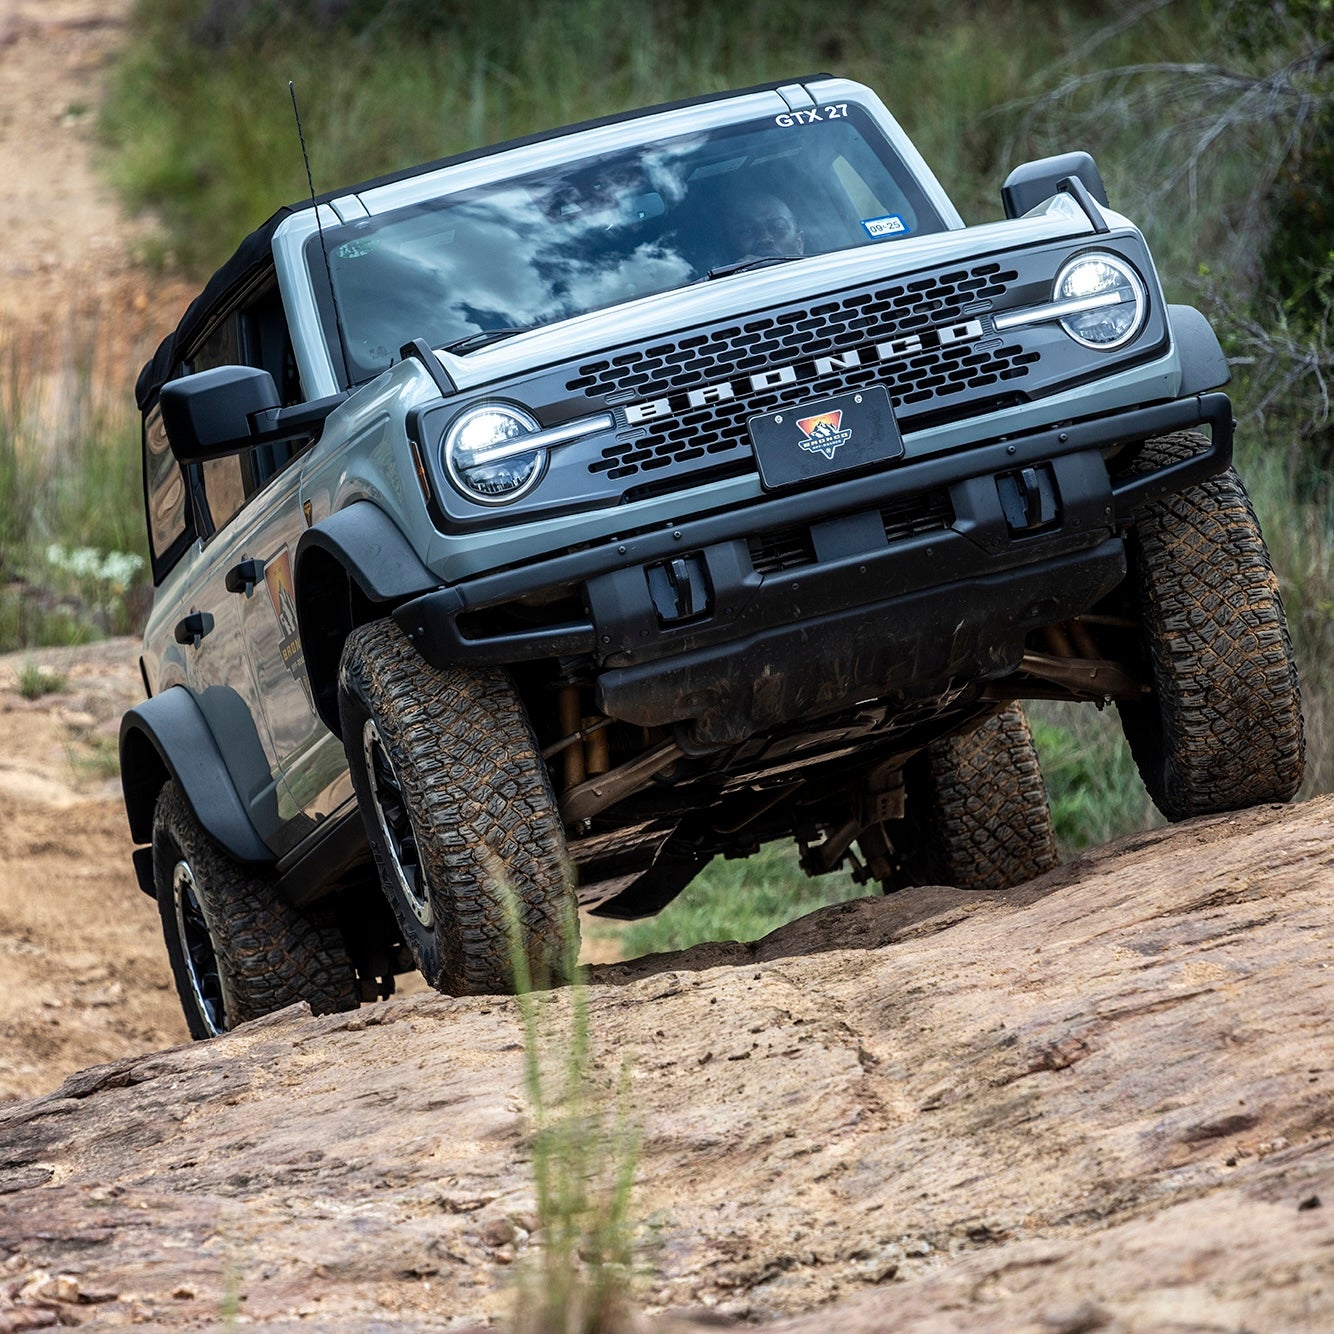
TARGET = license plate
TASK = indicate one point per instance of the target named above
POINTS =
(825, 437)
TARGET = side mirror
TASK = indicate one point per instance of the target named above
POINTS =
(1027, 186)
(209, 415)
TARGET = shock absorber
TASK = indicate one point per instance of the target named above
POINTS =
(573, 769)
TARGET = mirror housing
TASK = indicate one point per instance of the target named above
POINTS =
(1028, 185)
(210, 414)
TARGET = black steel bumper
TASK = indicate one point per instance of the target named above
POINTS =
(684, 626)
(908, 646)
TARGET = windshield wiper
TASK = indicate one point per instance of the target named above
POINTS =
(742, 265)
(481, 339)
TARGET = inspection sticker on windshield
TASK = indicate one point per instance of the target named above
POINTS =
(890, 225)
(828, 436)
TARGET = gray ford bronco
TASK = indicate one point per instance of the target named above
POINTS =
(531, 527)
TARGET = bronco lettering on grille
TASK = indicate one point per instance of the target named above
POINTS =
(653, 409)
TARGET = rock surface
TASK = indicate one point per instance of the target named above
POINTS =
(1103, 1101)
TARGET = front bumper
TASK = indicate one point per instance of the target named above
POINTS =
(925, 573)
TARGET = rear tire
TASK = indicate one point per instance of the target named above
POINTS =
(976, 813)
(460, 815)
(238, 950)
(1223, 729)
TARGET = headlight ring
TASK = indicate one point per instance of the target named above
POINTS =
(1104, 301)
(484, 455)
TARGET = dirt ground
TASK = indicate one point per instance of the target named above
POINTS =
(73, 297)
(83, 975)
(1101, 1101)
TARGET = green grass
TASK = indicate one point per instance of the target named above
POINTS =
(200, 126)
(1297, 518)
(1093, 787)
(73, 552)
(580, 1276)
(36, 681)
(93, 757)
(741, 899)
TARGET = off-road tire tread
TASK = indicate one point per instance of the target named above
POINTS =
(977, 814)
(270, 954)
(488, 828)
(1224, 730)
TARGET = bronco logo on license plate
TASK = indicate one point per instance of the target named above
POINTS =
(823, 438)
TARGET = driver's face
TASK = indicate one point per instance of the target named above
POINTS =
(768, 229)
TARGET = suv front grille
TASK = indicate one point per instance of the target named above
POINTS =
(959, 374)
(945, 381)
(829, 325)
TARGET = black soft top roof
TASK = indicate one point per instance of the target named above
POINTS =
(255, 253)
(252, 256)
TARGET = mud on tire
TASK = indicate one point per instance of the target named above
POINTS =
(976, 813)
(238, 950)
(459, 812)
(1223, 729)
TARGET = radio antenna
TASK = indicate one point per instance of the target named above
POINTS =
(319, 227)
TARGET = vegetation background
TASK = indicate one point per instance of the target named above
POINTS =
(1212, 121)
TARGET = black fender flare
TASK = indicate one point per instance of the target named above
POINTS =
(168, 737)
(1203, 365)
(349, 568)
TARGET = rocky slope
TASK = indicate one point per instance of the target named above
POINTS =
(1103, 1101)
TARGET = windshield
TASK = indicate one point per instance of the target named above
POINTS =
(596, 232)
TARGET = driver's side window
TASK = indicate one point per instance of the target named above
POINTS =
(253, 334)
(225, 480)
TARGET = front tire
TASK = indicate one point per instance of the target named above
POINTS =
(460, 816)
(237, 949)
(1223, 729)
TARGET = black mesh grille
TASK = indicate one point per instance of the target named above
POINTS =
(926, 513)
(942, 381)
(790, 548)
(782, 549)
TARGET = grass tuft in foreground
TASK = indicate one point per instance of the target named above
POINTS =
(580, 1277)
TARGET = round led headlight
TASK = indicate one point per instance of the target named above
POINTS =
(485, 456)
(1104, 299)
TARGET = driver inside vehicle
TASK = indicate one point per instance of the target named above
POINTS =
(762, 226)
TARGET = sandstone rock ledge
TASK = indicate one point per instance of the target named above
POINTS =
(1104, 1101)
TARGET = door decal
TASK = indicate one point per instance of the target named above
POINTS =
(282, 594)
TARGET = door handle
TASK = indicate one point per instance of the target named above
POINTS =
(242, 578)
(193, 628)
